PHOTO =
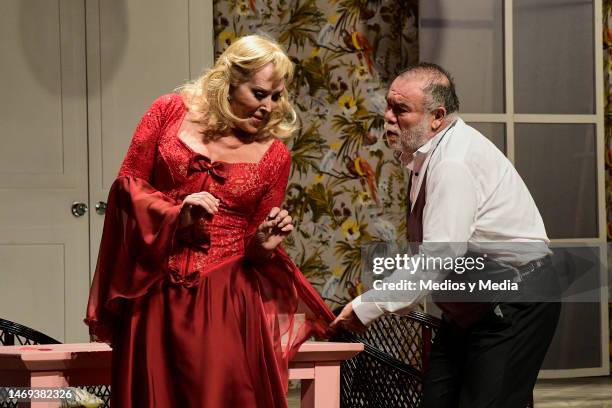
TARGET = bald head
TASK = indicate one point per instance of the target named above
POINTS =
(437, 86)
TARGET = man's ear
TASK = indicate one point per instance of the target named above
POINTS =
(438, 118)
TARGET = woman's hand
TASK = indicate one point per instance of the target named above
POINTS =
(195, 204)
(274, 229)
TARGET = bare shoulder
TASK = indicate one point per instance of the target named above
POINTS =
(265, 144)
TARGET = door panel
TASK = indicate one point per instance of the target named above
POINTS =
(43, 166)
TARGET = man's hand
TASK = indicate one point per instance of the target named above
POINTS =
(347, 319)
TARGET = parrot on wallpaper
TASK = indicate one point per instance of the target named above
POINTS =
(361, 168)
(328, 160)
(377, 100)
(361, 44)
(326, 32)
(383, 228)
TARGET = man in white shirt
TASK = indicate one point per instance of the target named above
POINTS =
(464, 191)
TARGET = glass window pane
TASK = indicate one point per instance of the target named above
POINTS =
(495, 132)
(466, 38)
(577, 341)
(553, 56)
(558, 164)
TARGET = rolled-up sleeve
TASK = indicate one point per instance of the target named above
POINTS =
(448, 223)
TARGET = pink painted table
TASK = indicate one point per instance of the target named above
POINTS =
(316, 365)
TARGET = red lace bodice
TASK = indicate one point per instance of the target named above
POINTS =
(246, 191)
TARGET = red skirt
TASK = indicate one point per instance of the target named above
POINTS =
(217, 338)
(214, 344)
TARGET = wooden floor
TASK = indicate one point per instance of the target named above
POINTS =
(294, 394)
(595, 392)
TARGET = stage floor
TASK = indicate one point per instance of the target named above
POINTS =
(593, 392)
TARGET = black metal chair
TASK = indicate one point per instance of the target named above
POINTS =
(389, 372)
(12, 334)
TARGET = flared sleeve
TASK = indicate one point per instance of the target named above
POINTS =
(139, 227)
(295, 310)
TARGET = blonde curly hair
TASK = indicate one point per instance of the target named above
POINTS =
(208, 96)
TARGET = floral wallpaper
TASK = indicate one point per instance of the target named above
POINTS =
(607, 44)
(607, 54)
(346, 188)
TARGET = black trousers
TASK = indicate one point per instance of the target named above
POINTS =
(493, 363)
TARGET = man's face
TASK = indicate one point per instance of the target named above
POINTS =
(408, 126)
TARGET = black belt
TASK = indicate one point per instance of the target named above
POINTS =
(519, 273)
(464, 314)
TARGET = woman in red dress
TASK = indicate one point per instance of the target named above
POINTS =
(192, 289)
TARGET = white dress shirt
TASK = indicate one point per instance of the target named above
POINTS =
(474, 196)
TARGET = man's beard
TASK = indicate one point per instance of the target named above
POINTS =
(413, 138)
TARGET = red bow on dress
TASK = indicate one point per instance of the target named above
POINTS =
(199, 162)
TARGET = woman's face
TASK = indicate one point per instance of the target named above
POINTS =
(256, 99)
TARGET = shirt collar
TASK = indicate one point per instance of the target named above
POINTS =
(417, 158)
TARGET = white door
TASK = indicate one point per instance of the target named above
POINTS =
(44, 248)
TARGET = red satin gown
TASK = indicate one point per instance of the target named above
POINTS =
(195, 319)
